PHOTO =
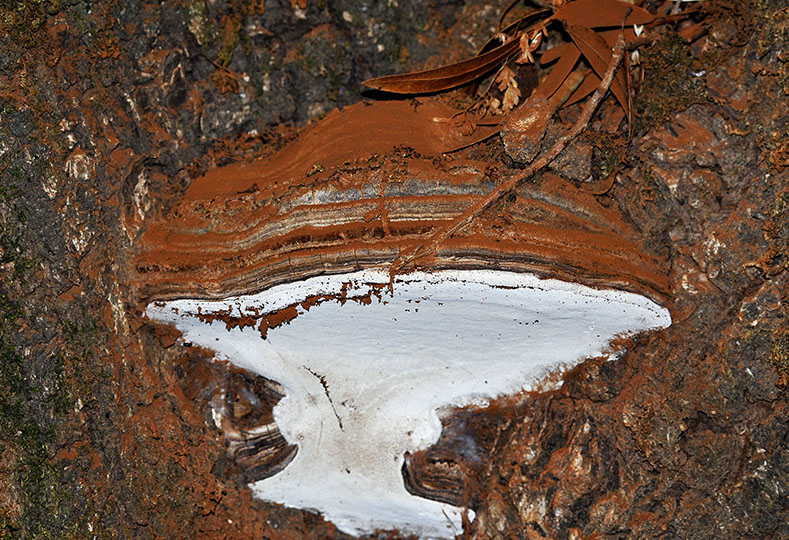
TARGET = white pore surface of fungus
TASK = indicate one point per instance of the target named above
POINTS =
(443, 338)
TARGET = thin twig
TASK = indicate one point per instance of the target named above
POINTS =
(439, 236)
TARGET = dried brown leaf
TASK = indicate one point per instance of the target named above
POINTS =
(568, 87)
(598, 53)
(556, 52)
(511, 97)
(560, 71)
(495, 106)
(525, 57)
(590, 84)
(610, 36)
(444, 78)
(602, 13)
(504, 78)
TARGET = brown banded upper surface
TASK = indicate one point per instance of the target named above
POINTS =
(362, 186)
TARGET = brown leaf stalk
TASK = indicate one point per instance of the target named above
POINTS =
(440, 235)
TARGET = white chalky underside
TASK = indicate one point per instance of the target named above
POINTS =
(446, 338)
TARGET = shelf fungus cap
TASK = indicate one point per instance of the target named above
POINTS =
(284, 273)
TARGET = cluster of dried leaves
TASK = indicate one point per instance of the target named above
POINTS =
(584, 61)
(574, 65)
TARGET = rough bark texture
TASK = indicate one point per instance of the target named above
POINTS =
(108, 110)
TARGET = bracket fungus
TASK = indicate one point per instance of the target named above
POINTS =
(365, 375)
(284, 273)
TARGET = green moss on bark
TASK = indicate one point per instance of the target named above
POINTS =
(34, 399)
(669, 85)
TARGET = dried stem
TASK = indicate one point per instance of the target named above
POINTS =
(440, 235)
